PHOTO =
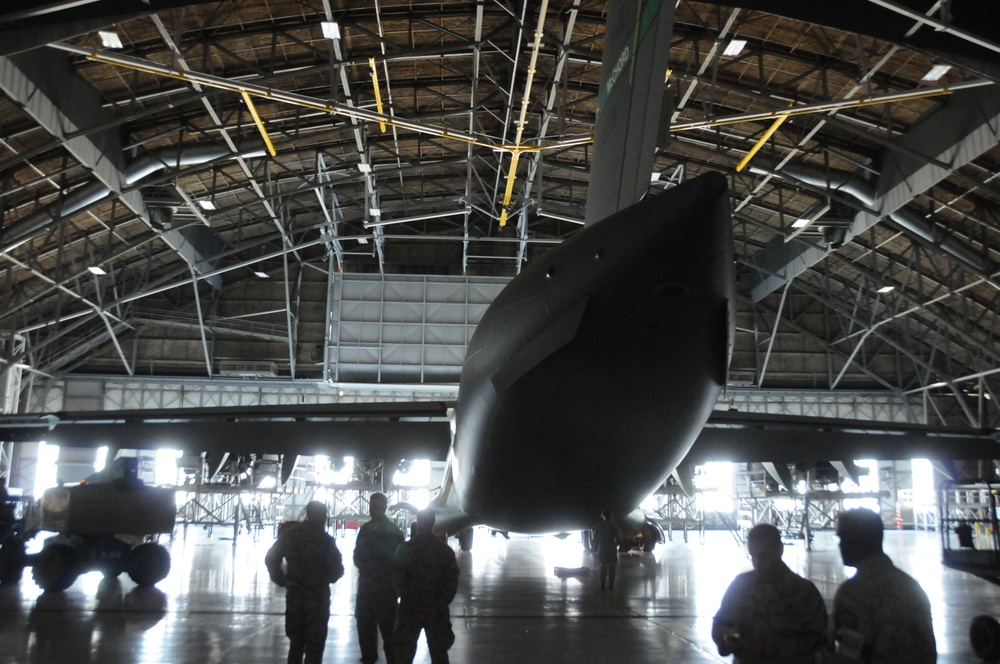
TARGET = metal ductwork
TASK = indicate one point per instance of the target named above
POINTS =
(95, 192)
(957, 132)
(864, 192)
(198, 245)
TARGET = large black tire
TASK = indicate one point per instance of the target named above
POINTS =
(649, 538)
(12, 559)
(465, 539)
(984, 634)
(149, 564)
(56, 568)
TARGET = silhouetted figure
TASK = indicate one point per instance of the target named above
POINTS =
(313, 563)
(375, 607)
(608, 541)
(426, 576)
(6, 512)
(964, 532)
(881, 615)
(770, 615)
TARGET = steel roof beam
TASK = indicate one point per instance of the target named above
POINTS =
(36, 82)
(954, 135)
(974, 25)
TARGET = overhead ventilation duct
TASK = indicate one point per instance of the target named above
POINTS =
(90, 194)
(196, 244)
(961, 129)
(864, 192)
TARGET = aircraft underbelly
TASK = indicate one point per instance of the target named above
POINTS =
(598, 366)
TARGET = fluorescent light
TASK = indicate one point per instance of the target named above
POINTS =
(375, 212)
(207, 204)
(331, 29)
(365, 168)
(362, 239)
(261, 274)
(886, 289)
(655, 177)
(801, 223)
(110, 39)
(97, 269)
(734, 47)
(936, 72)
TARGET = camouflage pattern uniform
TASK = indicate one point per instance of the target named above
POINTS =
(882, 616)
(779, 623)
(314, 562)
(426, 576)
(375, 609)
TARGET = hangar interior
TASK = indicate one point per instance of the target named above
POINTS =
(157, 254)
(281, 202)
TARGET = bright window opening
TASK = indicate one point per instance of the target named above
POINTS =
(47, 468)
(715, 480)
(166, 471)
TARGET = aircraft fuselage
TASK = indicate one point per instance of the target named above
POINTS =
(591, 374)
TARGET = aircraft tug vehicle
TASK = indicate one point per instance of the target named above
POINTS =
(100, 525)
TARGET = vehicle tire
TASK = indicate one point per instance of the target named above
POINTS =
(149, 564)
(984, 634)
(56, 568)
(465, 539)
(12, 559)
(649, 538)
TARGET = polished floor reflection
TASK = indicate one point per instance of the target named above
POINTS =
(521, 600)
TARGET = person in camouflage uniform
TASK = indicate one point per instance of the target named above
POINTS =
(770, 615)
(426, 576)
(881, 615)
(313, 563)
(375, 607)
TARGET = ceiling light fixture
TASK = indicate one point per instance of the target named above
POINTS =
(936, 72)
(375, 212)
(207, 204)
(110, 39)
(97, 270)
(886, 289)
(331, 29)
(365, 167)
(734, 47)
(801, 223)
(261, 274)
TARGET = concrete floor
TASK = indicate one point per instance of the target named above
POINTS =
(520, 600)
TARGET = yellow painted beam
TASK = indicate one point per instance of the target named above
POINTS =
(511, 176)
(378, 92)
(763, 139)
(155, 69)
(260, 124)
